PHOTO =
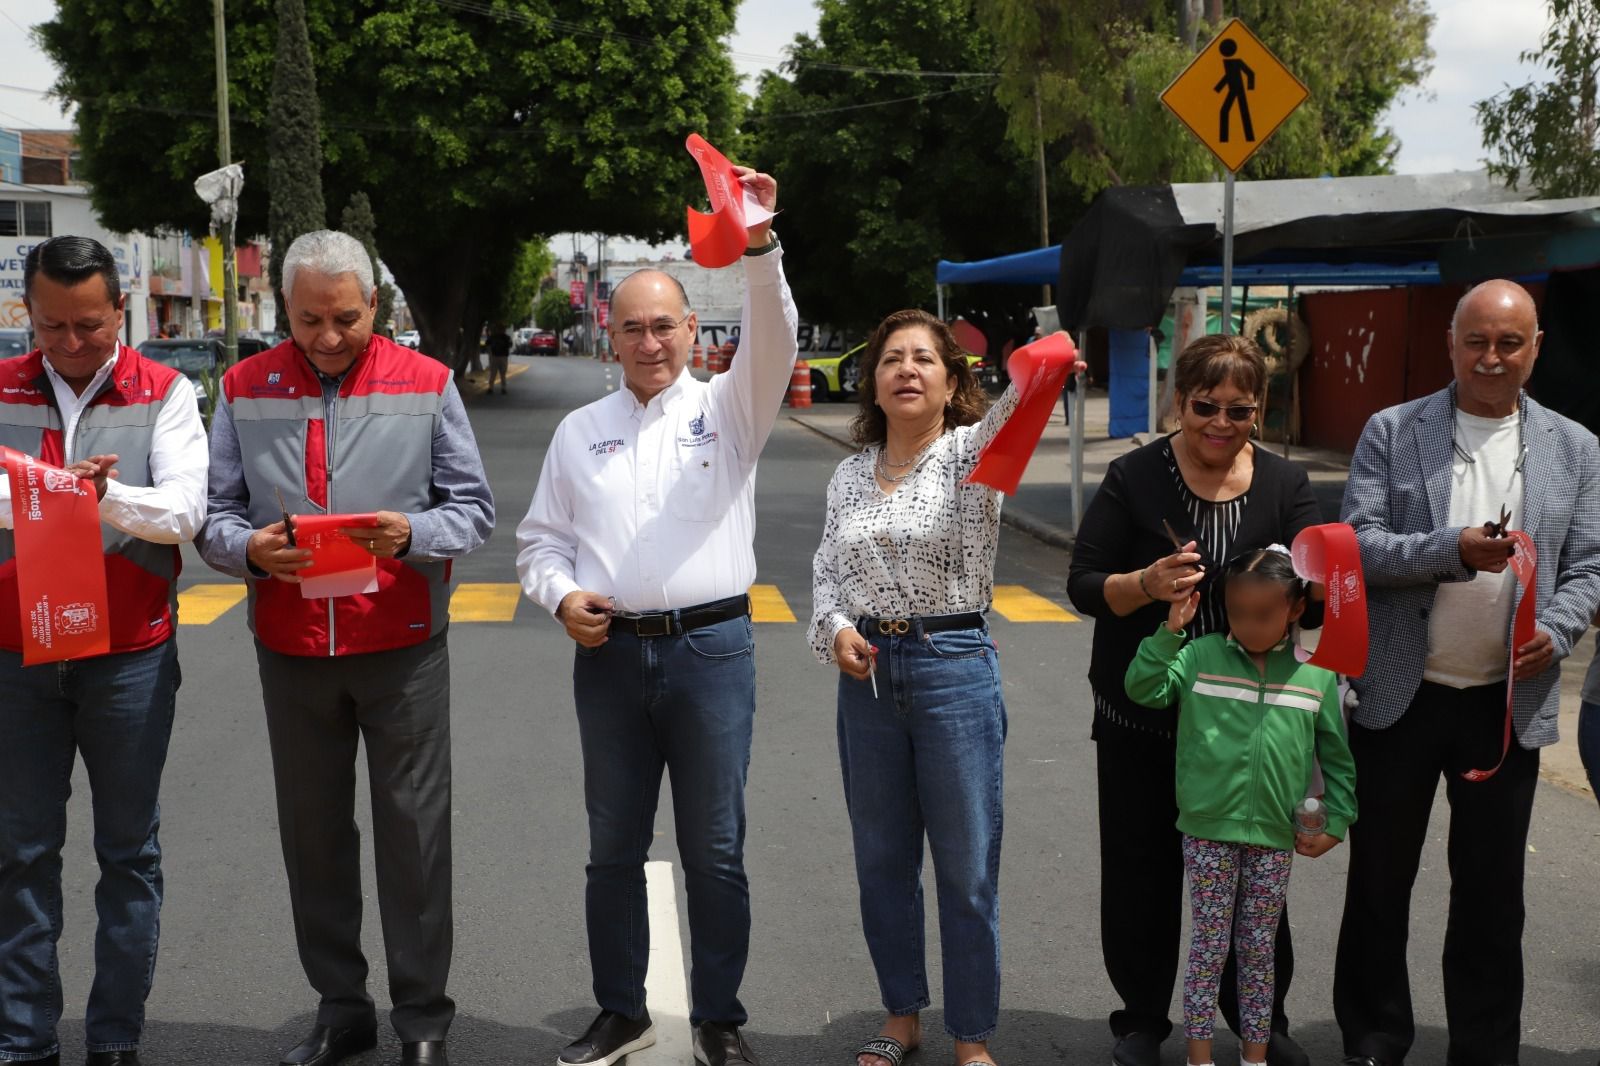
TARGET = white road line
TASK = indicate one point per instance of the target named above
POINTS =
(666, 986)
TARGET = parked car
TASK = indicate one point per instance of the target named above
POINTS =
(833, 377)
(543, 342)
(522, 341)
(249, 346)
(410, 338)
(194, 357)
(14, 342)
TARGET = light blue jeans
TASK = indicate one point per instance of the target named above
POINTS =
(926, 757)
(116, 711)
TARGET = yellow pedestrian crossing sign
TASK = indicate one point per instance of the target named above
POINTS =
(1234, 94)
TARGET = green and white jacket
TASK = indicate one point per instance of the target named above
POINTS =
(1247, 743)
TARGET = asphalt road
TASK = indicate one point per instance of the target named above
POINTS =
(229, 988)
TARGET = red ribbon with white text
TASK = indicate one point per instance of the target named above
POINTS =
(61, 572)
(718, 239)
(1038, 371)
(340, 565)
(1329, 555)
(1524, 563)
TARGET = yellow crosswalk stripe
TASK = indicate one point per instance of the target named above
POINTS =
(495, 602)
(1015, 603)
(768, 605)
(200, 605)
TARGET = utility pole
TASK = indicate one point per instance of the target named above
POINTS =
(1044, 202)
(230, 284)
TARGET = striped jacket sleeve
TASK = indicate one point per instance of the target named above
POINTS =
(1162, 671)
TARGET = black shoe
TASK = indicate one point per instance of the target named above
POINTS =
(109, 1058)
(48, 1060)
(610, 1037)
(1137, 1049)
(1356, 1060)
(423, 1053)
(327, 1045)
(1282, 1050)
(721, 1044)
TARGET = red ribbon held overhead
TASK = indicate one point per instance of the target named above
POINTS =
(1328, 554)
(61, 573)
(1038, 371)
(1524, 563)
(718, 239)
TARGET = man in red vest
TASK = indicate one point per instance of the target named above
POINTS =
(339, 421)
(85, 402)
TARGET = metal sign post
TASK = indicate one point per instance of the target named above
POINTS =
(1227, 253)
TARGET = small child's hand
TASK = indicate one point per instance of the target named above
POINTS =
(1182, 612)
(1314, 845)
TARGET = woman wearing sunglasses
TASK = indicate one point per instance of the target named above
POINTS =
(1166, 517)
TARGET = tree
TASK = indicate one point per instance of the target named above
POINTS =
(358, 222)
(881, 173)
(533, 264)
(553, 311)
(473, 127)
(294, 144)
(1547, 131)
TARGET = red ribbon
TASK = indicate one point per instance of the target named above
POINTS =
(1329, 555)
(1524, 563)
(1038, 371)
(717, 239)
(55, 517)
(340, 566)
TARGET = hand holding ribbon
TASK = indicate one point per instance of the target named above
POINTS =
(743, 203)
(1528, 653)
(1038, 371)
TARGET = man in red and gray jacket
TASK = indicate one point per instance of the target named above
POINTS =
(340, 421)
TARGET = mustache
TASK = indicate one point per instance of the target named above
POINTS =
(1492, 371)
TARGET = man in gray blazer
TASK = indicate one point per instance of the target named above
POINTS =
(1426, 478)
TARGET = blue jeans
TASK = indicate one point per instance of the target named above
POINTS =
(927, 756)
(117, 711)
(685, 704)
(1589, 743)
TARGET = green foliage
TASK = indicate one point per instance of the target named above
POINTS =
(294, 145)
(358, 222)
(533, 263)
(872, 197)
(553, 311)
(1546, 132)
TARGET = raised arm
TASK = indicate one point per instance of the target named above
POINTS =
(1160, 673)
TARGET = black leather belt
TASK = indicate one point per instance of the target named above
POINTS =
(927, 623)
(676, 623)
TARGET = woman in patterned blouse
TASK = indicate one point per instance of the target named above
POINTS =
(901, 580)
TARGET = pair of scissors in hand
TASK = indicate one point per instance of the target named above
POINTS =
(1498, 529)
(288, 521)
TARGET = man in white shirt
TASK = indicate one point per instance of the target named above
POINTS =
(640, 541)
(84, 402)
(1430, 486)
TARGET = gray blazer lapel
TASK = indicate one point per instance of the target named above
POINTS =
(1433, 432)
(1539, 472)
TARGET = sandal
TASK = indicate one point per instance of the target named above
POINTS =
(885, 1047)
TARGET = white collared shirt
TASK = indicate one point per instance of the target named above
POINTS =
(654, 504)
(171, 509)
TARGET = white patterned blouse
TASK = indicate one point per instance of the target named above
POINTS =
(927, 548)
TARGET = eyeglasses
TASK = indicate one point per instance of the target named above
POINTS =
(1237, 412)
(661, 329)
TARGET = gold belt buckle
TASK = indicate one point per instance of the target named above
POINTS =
(897, 626)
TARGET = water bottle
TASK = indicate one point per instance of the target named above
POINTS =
(1311, 817)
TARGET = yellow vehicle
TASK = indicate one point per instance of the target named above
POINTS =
(833, 377)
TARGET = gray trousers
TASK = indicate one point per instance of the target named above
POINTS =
(398, 703)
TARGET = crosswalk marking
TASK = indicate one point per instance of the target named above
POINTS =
(200, 605)
(1016, 603)
(495, 602)
(768, 605)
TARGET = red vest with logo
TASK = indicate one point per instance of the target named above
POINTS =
(120, 420)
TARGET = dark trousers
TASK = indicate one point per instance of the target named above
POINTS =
(398, 704)
(1444, 731)
(684, 704)
(1142, 886)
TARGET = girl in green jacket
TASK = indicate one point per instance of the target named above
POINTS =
(1252, 722)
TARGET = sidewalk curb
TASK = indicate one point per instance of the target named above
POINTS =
(1022, 521)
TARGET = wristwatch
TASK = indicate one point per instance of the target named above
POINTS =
(772, 242)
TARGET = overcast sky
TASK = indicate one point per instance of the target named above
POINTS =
(1476, 42)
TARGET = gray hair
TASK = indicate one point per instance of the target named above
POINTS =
(328, 252)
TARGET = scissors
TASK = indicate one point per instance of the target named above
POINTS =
(872, 668)
(1172, 534)
(288, 522)
(1498, 529)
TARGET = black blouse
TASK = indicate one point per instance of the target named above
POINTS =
(1122, 531)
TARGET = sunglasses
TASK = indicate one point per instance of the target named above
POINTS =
(1238, 412)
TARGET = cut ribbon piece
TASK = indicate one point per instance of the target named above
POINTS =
(61, 571)
(1525, 564)
(339, 566)
(1038, 371)
(718, 239)
(1329, 555)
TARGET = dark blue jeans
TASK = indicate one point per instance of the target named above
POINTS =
(117, 711)
(685, 704)
(1589, 743)
(926, 757)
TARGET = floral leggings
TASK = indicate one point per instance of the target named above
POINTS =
(1237, 890)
